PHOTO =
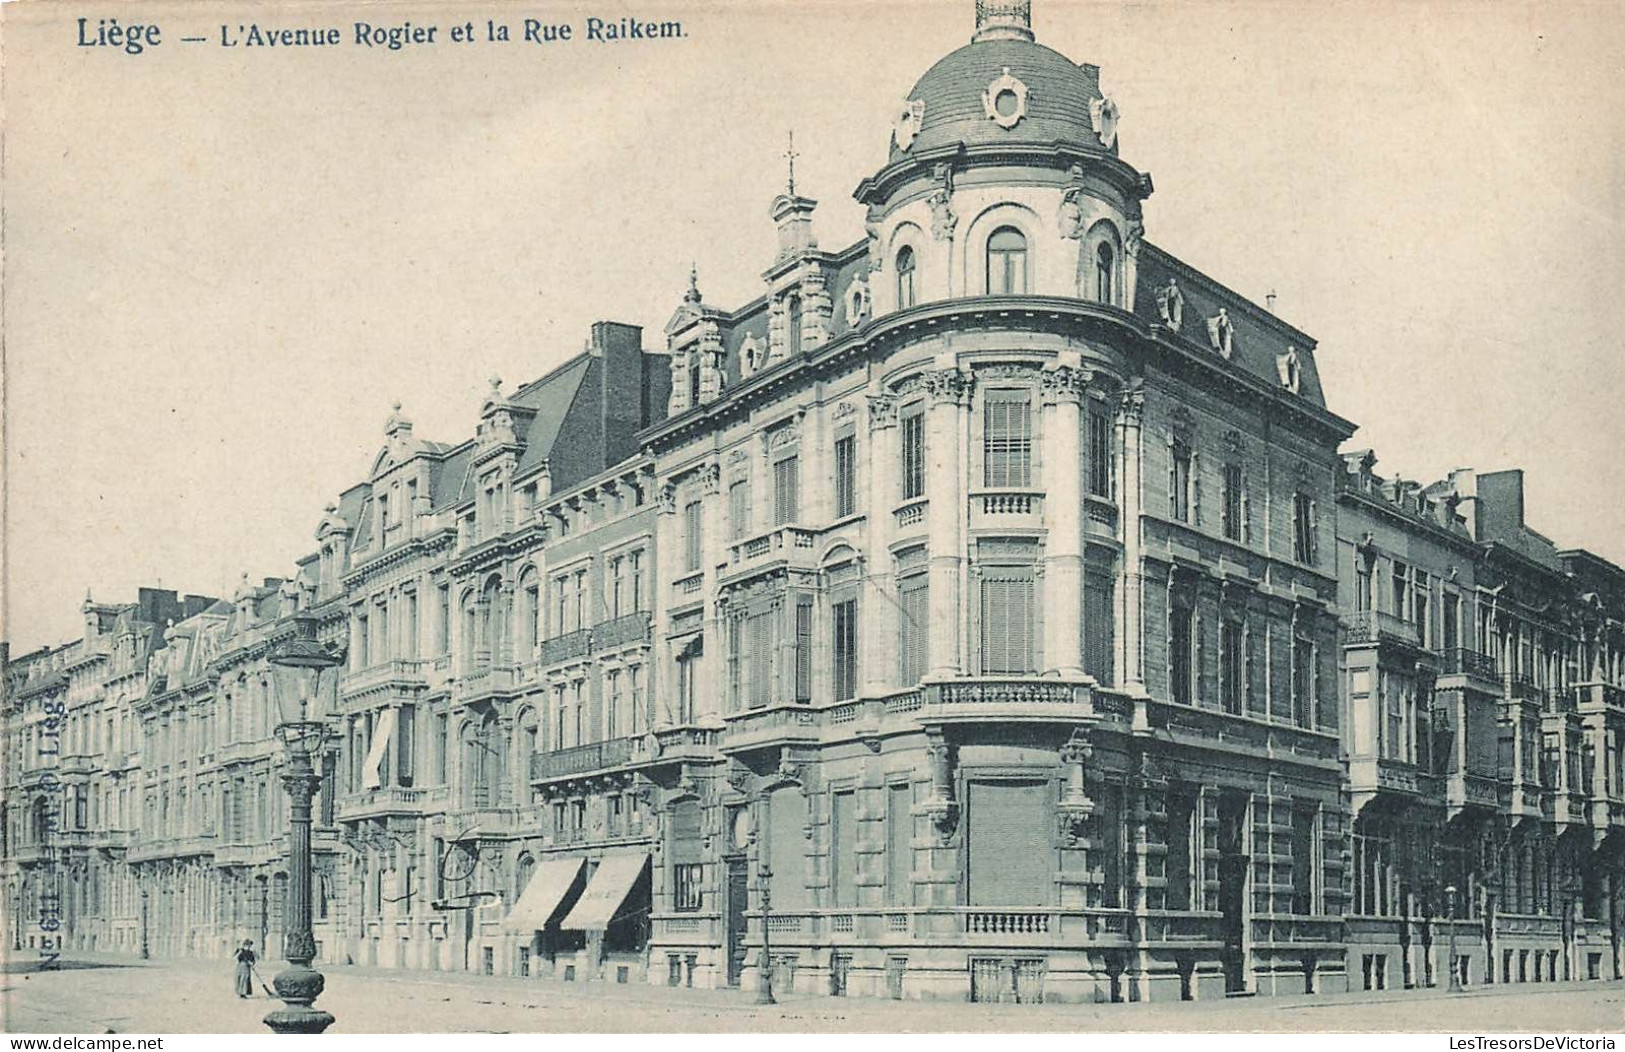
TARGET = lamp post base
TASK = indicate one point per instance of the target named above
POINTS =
(298, 986)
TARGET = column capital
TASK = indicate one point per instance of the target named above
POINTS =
(1065, 383)
(948, 385)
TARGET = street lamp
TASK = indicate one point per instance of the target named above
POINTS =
(764, 972)
(302, 669)
(1450, 911)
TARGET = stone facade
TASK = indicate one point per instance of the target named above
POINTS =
(988, 599)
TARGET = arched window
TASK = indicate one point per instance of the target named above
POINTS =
(494, 622)
(530, 601)
(522, 874)
(905, 279)
(1006, 262)
(793, 321)
(1105, 271)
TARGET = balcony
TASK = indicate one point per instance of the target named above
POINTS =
(1459, 661)
(1523, 688)
(780, 724)
(910, 515)
(994, 509)
(1100, 517)
(1471, 790)
(675, 745)
(1372, 626)
(997, 698)
(386, 676)
(1600, 697)
(592, 758)
(567, 647)
(75, 763)
(626, 630)
(1369, 776)
(385, 800)
(485, 683)
(791, 544)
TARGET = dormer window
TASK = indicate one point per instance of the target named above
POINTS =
(792, 310)
(1105, 273)
(906, 296)
(1007, 262)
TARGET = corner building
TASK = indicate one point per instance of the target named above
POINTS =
(983, 611)
(995, 570)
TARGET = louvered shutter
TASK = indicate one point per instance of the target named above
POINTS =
(1196, 488)
(787, 848)
(685, 832)
(1011, 857)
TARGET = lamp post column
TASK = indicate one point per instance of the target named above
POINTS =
(299, 985)
(1455, 969)
(764, 971)
(144, 947)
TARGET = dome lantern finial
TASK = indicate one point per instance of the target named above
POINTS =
(1003, 20)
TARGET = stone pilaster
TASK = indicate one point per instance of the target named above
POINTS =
(949, 391)
(1063, 387)
(880, 610)
(1130, 620)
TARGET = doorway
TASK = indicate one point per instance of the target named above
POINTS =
(738, 892)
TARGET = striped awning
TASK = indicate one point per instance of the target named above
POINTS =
(610, 884)
(541, 898)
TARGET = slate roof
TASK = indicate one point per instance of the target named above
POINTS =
(1058, 102)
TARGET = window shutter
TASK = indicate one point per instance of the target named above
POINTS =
(1314, 530)
(1199, 629)
(1246, 513)
(1008, 842)
(1196, 488)
(1173, 477)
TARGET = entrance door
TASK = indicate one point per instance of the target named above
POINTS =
(737, 892)
(1233, 864)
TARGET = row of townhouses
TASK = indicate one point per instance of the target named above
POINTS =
(985, 610)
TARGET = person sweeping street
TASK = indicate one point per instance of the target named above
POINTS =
(245, 969)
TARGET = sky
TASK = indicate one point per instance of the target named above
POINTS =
(223, 265)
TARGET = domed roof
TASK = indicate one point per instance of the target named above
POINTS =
(1059, 94)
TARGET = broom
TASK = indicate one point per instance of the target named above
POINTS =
(256, 973)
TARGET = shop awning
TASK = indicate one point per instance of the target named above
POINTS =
(381, 732)
(605, 892)
(541, 897)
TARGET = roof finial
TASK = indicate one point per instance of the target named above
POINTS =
(791, 155)
(1269, 301)
(693, 293)
(1003, 20)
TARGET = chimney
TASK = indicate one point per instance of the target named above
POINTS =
(1269, 301)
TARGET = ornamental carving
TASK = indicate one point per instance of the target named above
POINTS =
(907, 123)
(1221, 334)
(1133, 239)
(1008, 371)
(1103, 115)
(948, 385)
(1070, 216)
(708, 479)
(1065, 383)
(844, 410)
(1289, 369)
(1171, 305)
(750, 354)
(1005, 100)
(943, 219)
(882, 412)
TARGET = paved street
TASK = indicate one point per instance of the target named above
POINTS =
(195, 997)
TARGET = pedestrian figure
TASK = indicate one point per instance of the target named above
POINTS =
(245, 969)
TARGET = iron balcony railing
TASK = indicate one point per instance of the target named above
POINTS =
(1462, 661)
(581, 759)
